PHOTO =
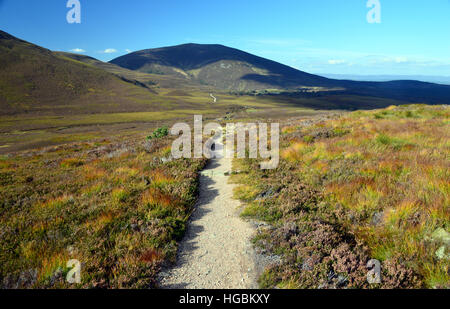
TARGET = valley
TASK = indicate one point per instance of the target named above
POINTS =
(50, 98)
(87, 173)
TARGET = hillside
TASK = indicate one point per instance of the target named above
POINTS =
(360, 186)
(235, 70)
(36, 80)
(151, 81)
(219, 66)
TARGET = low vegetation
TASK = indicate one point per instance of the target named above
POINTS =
(111, 204)
(159, 133)
(366, 185)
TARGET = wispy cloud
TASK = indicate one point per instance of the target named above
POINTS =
(336, 61)
(77, 50)
(279, 41)
(109, 51)
(128, 50)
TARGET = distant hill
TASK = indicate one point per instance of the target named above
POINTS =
(36, 80)
(219, 66)
(234, 70)
(444, 80)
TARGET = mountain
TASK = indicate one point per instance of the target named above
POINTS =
(235, 70)
(219, 66)
(36, 80)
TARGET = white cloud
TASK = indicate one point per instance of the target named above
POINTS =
(77, 50)
(109, 51)
(128, 50)
(401, 59)
(389, 59)
(336, 61)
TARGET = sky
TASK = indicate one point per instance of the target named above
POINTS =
(316, 36)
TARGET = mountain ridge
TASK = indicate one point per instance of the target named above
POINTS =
(234, 70)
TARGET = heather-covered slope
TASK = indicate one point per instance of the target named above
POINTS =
(36, 80)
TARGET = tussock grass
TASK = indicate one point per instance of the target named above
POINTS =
(382, 175)
(90, 202)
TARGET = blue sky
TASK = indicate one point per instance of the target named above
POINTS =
(317, 36)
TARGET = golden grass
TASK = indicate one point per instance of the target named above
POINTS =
(155, 197)
(54, 203)
(92, 172)
(160, 178)
(151, 256)
(119, 195)
(52, 263)
(394, 161)
(71, 162)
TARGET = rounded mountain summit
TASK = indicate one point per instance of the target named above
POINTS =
(219, 66)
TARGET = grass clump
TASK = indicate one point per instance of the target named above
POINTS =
(159, 133)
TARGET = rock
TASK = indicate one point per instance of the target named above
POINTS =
(148, 146)
(377, 218)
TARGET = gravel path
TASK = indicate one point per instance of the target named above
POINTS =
(216, 252)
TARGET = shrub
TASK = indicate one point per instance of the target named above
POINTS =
(159, 133)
